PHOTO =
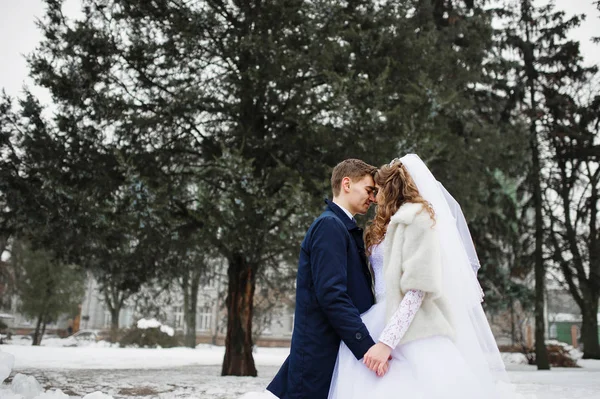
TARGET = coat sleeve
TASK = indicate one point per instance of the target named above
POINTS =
(329, 263)
(421, 258)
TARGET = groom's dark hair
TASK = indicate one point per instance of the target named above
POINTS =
(355, 169)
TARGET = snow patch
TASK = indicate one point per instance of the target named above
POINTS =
(26, 386)
(564, 317)
(52, 394)
(259, 395)
(589, 364)
(514, 358)
(144, 324)
(167, 330)
(97, 395)
(9, 394)
(7, 361)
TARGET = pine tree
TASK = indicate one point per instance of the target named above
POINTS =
(222, 96)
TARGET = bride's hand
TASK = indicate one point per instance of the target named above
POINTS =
(383, 369)
(376, 356)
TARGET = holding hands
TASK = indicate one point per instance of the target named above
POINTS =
(377, 358)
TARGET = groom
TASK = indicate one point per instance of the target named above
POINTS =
(333, 288)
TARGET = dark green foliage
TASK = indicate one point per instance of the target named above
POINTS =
(427, 79)
(47, 288)
(69, 192)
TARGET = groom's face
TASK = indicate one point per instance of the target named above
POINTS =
(361, 194)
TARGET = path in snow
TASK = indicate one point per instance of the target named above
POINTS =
(206, 382)
(179, 382)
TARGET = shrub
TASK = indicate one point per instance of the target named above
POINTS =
(562, 355)
(559, 353)
(149, 335)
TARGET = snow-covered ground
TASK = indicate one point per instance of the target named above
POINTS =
(195, 373)
(102, 356)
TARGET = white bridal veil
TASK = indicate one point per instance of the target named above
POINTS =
(474, 337)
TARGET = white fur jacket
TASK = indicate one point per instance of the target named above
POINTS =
(412, 261)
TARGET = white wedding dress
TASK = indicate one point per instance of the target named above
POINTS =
(428, 368)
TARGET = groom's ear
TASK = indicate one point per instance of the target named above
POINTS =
(346, 184)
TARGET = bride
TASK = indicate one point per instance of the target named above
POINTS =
(428, 316)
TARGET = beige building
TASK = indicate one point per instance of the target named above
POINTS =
(272, 327)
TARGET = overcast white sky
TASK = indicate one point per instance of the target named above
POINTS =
(19, 36)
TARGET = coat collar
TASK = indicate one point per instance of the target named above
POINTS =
(339, 212)
(406, 213)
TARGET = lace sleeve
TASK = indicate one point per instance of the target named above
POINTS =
(400, 321)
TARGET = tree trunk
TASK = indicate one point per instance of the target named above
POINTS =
(190, 299)
(217, 306)
(185, 282)
(114, 324)
(44, 324)
(541, 355)
(238, 342)
(36, 335)
(513, 336)
(3, 242)
(114, 307)
(589, 328)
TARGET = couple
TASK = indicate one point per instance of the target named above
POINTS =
(424, 308)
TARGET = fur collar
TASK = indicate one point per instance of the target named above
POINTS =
(407, 213)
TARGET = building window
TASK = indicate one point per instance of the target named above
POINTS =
(107, 319)
(179, 317)
(211, 283)
(203, 319)
(553, 331)
(267, 331)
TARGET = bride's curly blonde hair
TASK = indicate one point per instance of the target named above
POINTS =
(396, 187)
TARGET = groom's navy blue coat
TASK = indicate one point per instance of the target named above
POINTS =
(333, 288)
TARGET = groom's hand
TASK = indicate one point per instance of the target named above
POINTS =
(377, 357)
